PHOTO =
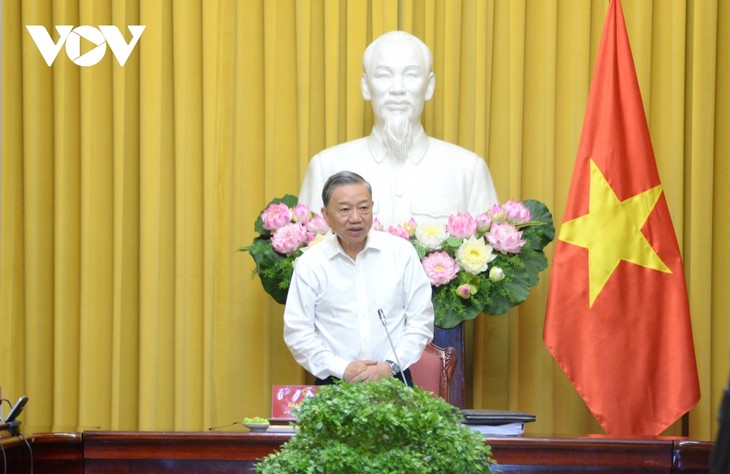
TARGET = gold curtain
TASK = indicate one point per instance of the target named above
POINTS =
(126, 190)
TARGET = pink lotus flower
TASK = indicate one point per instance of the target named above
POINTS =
(483, 221)
(440, 268)
(313, 239)
(301, 213)
(497, 214)
(276, 216)
(464, 291)
(377, 225)
(317, 224)
(411, 227)
(461, 226)
(289, 238)
(505, 238)
(516, 212)
(399, 231)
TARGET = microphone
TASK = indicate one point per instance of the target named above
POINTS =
(381, 315)
(16, 409)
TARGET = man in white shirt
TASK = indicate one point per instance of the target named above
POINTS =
(331, 323)
(413, 175)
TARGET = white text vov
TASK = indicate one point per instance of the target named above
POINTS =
(101, 36)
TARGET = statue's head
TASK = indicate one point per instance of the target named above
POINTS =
(397, 76)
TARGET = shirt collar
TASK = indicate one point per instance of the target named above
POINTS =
(415, 154)
(334, 248)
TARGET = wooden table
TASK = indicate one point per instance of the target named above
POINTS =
(229, 452)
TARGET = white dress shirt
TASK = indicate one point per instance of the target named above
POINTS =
(438, 179)
(331, 315)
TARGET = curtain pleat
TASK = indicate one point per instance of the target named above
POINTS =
(38, 216)
(224, 108)
(125, 400)
(67, 233)
(716, 319)
(188, 106)
(699, 180)
(127, 190)
(158, 159)
(12, 219)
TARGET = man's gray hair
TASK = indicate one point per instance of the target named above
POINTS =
(397, 35)
(342, 178)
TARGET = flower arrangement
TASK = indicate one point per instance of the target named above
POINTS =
(481, 264)
(285, 229)
(476, 264)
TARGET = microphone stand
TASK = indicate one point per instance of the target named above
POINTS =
(381, 316)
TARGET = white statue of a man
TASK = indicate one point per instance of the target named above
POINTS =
(412, 174)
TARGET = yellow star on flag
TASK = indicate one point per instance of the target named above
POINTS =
(611, 231)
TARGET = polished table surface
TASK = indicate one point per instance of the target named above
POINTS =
(194, 452)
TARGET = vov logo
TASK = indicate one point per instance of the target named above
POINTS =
(100, 37)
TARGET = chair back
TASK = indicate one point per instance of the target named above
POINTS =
(434, 370)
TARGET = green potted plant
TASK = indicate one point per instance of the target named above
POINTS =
(379, 427)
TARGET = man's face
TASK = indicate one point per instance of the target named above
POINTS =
(397, 82)
(349, 213)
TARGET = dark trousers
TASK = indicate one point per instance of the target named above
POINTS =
(330, 380)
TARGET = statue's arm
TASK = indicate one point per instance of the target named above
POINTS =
(311, 190)
(483, 194)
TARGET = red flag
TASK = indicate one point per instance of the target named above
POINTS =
(617, 318)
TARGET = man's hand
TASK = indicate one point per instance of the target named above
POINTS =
(372, 371)
(355, 369)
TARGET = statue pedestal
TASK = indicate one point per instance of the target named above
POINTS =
(454, 338)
